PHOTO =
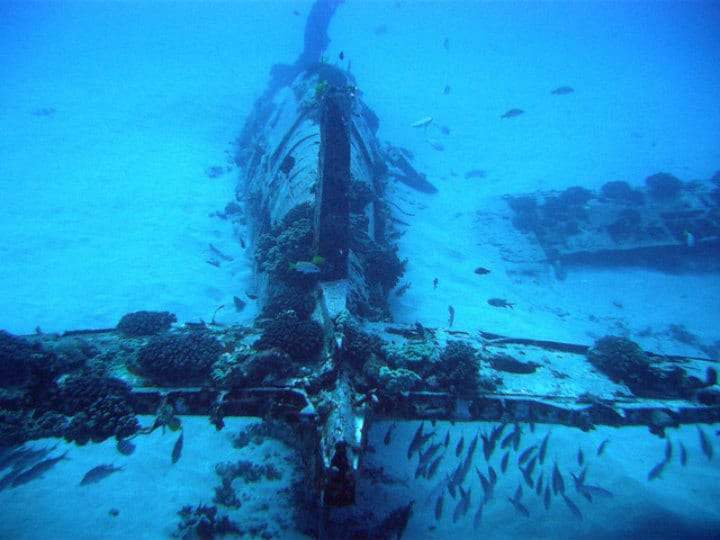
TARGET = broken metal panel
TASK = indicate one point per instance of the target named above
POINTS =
(679, 230)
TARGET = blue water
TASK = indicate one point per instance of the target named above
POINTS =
(112, 114)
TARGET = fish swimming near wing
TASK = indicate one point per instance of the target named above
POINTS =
(572, 506)
(528, 470)
(558, 484)
(515, 501)
(539, 484)
(668, 450)
(683, 455)
(580, 457)
(177, 448)
(432, 469)
(459, 446)
(98, 473)
(543, 448)
(657, 470)
(439, 506)
(475, 173)
(705, 444)
(37, 470)
(415, 442)
(546, 497)
(504, 462)
(562, 91)
(478, 516)
(388, 435)
(526, 454)
(446, 442)
(601, 447)
(486, 485)
(463, 504)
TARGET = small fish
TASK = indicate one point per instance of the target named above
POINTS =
(451, 316)
(445, 131)
(601, 447)
(98, 473)
(475, 173)
(515, 501)
(580, 457)
(37, 470)
(507, 441)
(504, 462)
(656, 471)
(459, 447)
(439, 507)
(446, 44)
(251, 296)
(668, 451)
(478, 516)
(423, 122)
(380, 30)
(705, 444)
(558, 484)
(528, 472)
(480, 271)
(486, 485)
(213, 262)
(305, 267)
(428, 454)
(512, 113)
(463, 504)
(446, 442)
(177, 448)
(500, 303)
(432, 469)
(415, 442)
(543, 448)
(596, 491)
(436, 145)
(572, 506)
(388, 435)
(125, 447)
(683, 455)
(341, 56)
(435, 283)
(546, 497)
(492, 475)
(526, 454)
(446, 91)
(214, 250)
(562, 91)
(539, 484)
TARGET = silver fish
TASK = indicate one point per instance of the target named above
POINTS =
(37, 470)
(98, 473)
(525, 454)
(504, 462)
(668, 450)
(683, 455)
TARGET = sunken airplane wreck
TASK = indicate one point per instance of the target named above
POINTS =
(322, 359)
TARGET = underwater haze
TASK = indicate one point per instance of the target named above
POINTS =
(573, 150)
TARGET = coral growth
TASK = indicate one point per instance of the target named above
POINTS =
(264, 367)
(145, 323)
(458, 368)
(620, 192)
(179, 358)
(302, 340)
(663, 186)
